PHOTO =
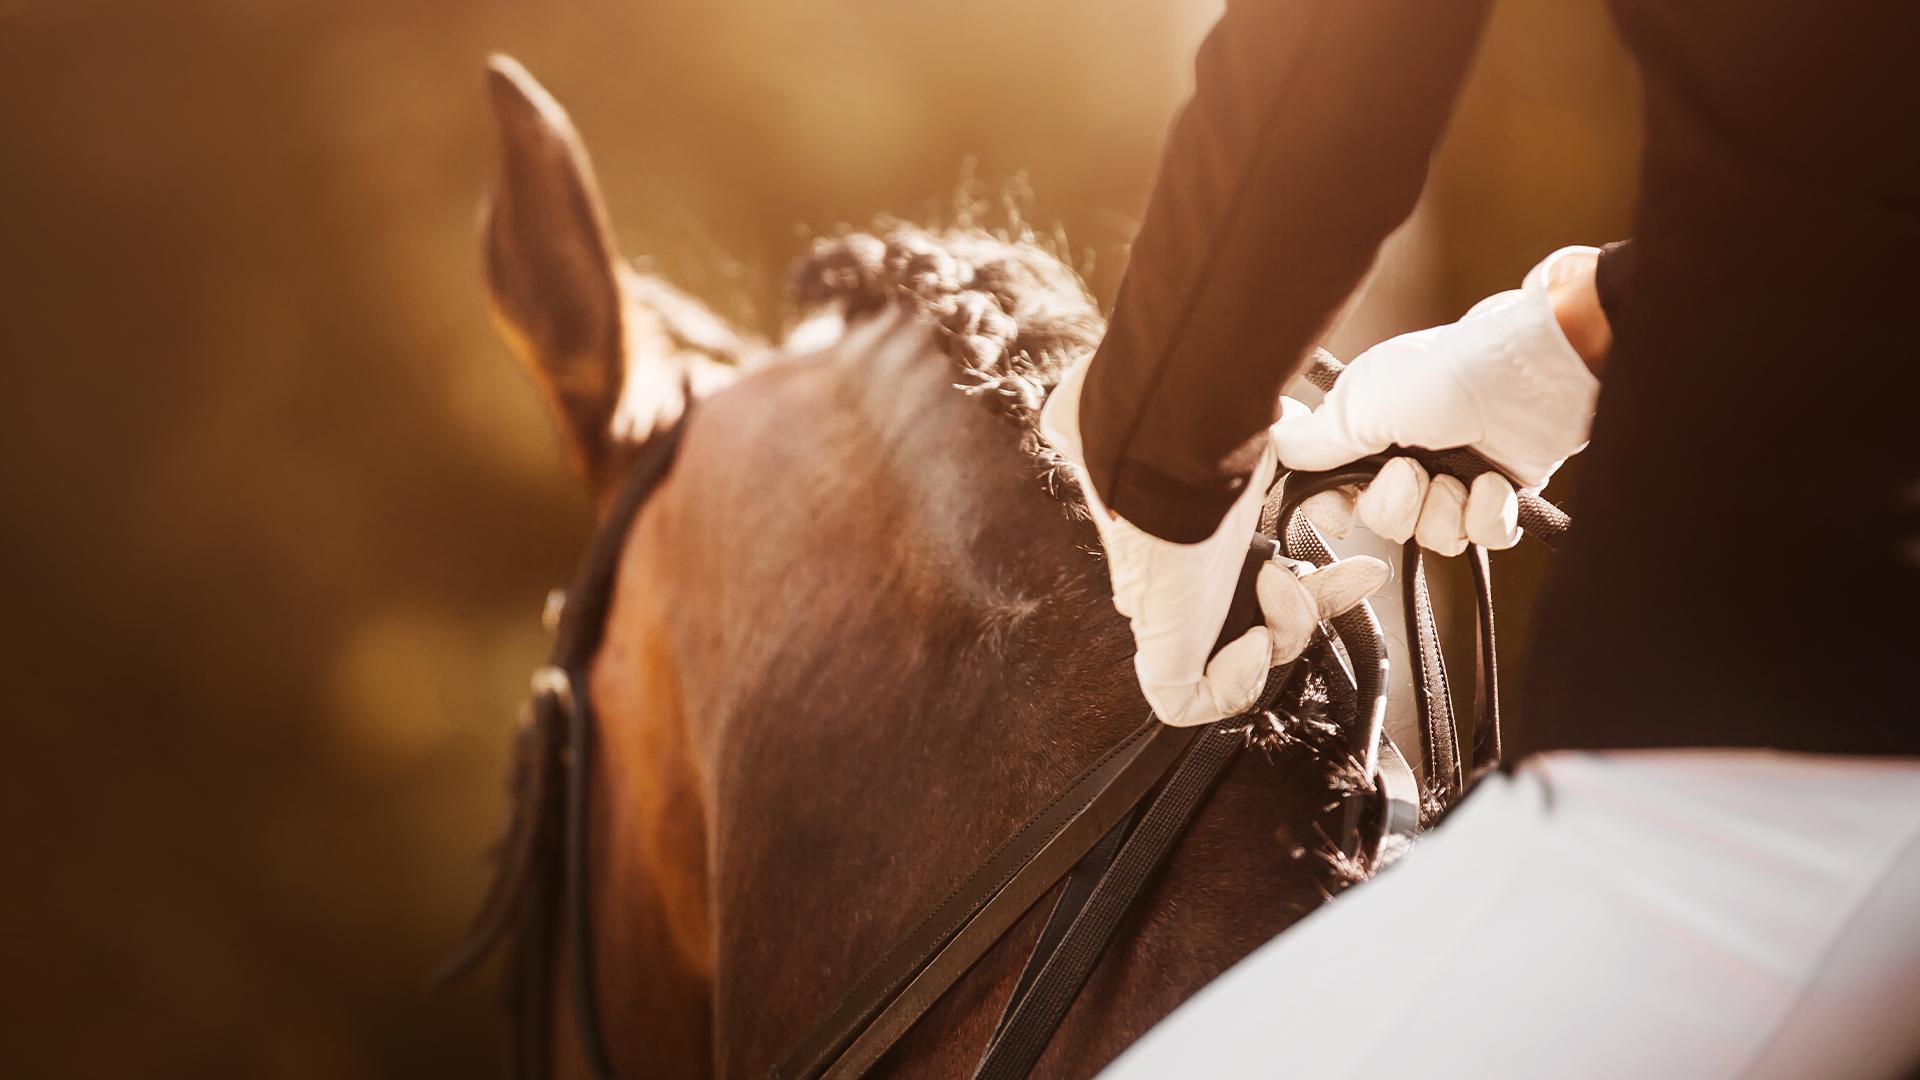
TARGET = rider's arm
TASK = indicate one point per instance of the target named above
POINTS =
(1305, 143)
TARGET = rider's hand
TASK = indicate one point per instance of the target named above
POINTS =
(1503, 380)
(1176, 596)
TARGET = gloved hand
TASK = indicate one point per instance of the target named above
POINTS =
(1176, 596)
(1503, 380)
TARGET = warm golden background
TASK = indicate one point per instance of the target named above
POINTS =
(280, 512)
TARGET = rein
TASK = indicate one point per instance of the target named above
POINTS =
(1107, 834)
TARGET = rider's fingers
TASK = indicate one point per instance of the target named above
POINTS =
(1493, 512)
(1340, 587)
(1289, 611)
(1442, 527)
(1293, 607)
(1390, 506)
(1237, 672)
(1331, 511)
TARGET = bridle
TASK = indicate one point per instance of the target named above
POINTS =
(541, 882)
(1106, 835)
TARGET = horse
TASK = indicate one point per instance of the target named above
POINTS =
(858, 631)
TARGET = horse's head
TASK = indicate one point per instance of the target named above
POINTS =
(858, 631)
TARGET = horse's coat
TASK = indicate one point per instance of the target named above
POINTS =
(856, 639)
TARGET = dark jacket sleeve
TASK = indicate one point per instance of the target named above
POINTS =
(1613, 279)
(1305, 143)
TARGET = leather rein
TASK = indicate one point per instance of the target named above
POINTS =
(1106, 835)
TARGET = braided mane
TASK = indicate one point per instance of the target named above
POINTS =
(1010, 314)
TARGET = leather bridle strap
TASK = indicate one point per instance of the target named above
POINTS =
(1447, 776)
(1486, 666)
(905, 983)
(1540, 519)
(1086, 876)
(1439, 734)
(1040, 1004)
(586, 995)
(546, 848)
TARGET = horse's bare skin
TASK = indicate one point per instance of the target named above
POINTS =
(855, 642)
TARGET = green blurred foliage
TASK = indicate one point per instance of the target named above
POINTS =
(280, 512)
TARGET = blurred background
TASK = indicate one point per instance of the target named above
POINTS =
(280, 512)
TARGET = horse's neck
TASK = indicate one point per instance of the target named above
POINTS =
(883, 629)
(889, 646)
(838, 504)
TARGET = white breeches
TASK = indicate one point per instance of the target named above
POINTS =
(1711, 913)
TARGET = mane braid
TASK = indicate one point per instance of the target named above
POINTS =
(1011, 315)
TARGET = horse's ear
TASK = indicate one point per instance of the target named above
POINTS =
(554, 278)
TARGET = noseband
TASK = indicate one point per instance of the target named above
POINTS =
(1106, 835)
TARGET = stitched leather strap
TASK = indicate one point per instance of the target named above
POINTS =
(1073, 897)
(1486, 666)
(1439, 737)
(898, 989)
(1035, 1015)
(540, 887)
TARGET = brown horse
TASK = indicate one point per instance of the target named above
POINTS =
(859, 633)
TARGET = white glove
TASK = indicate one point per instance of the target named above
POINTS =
(1503, 380)
(1176, 596)
(1443, 514)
